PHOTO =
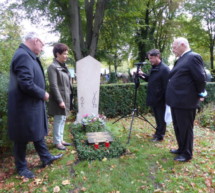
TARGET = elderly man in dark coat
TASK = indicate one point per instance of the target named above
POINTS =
(26, 104)
(184, 91)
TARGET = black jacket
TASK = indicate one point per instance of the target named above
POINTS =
(186, 81)
(157, 81)
(27, 119)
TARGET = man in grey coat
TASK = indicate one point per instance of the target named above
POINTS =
(27, 119)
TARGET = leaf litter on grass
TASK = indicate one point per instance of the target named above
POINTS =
(161, 173)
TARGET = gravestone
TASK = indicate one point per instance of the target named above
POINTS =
(88, 86)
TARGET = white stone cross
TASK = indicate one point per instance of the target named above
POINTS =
(88, 72)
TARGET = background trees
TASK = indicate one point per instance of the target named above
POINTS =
(120, 32)
(9, 38)
(204, 12)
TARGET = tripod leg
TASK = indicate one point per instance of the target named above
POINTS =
(131, 124)
(124, 116)
(143, 118)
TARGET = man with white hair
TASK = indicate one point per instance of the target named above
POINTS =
(184, 91)
(27, 119)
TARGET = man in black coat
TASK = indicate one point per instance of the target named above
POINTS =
(186, 83)
(157, 81)
(27, 119)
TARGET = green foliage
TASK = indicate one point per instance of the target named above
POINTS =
(210, 87)
(113, 78)
(207, 116)
(118, 99)
(9, 38)
(4, 141)
(87, 151)
(204, 12)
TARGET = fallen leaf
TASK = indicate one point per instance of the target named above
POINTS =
(44, 189)
(83, 189)
(73, 151)
(208, 182)
(66, 182)
(38, 181)
(56, 189)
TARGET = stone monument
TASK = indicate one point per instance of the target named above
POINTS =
(88, 86)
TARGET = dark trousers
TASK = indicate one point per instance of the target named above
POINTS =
(159, 112)
(183, 120)
(20, 153)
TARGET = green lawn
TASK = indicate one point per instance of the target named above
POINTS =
(146, 167)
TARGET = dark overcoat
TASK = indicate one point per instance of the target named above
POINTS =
(60, 89)
(186, 81)
(27, 119)
(157, 81)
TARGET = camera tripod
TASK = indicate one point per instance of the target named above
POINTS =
(135, 112)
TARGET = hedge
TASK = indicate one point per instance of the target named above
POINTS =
(118, 99)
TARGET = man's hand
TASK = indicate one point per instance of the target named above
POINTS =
(141, 73)
(201, 99)
(62, 105)
(46, 97)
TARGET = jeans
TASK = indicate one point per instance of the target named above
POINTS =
(59, 123)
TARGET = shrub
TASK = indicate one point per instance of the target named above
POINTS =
(113, 78)
(118, 99)
(4, 141)
(207, 116)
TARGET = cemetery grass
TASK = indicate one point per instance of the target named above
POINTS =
(146, 167)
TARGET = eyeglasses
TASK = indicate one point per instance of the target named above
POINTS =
(40, 41)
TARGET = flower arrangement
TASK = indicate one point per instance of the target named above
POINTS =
(93, 123)
(96, 151)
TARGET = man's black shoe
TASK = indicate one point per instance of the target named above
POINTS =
(181, 158)
(26, 173)
(155, 139)
(51, 159)
(174, 151)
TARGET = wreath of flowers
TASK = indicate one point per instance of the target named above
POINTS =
(93, 121)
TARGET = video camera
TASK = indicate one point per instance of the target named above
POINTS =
(140, 63)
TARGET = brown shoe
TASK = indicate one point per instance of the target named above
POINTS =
(60, 146)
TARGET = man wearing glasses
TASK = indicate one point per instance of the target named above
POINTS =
(27, 121)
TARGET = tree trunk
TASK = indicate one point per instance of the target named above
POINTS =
(94, 22)
(212, 41)
(99, 16)
(75, 28)
(89, 4)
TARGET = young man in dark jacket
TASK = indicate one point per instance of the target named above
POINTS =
(157, 81)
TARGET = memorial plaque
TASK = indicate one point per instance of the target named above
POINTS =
(99, 137)
(88, 86)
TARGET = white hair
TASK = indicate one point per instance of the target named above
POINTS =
(182, 40)
(30, 35)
